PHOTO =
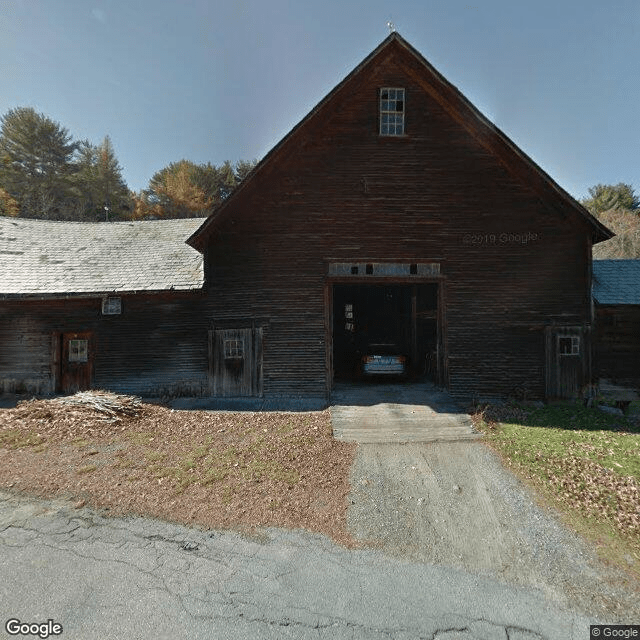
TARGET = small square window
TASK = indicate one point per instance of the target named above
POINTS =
(234, 349)
(78, 350)
(391, 112)
(569, 345)
(111, 306)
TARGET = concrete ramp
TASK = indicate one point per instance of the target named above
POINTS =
(411, 412)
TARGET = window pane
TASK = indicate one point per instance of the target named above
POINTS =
(392, 111)
(78, 350)
(234, 348)
(569, 345)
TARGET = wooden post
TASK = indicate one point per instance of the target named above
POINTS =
(414, 330)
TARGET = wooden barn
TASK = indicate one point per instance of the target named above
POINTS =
(104, 305)
(393, 226)
(395, 218)
(616, 294)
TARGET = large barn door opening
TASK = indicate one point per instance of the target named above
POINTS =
(387, 320)
(76, 362)
(235, 362)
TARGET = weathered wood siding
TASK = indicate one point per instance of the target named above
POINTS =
(511, 263)
(617, 343)
(235, 370)
(157, 346)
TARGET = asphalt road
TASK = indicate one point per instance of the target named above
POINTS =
(141, 578)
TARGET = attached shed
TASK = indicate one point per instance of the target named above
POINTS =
(616, 295)
(107, 305)
(396, 213)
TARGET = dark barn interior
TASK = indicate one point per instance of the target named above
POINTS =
(385, 319)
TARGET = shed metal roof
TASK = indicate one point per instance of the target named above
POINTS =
(616, 281)
(50, 258)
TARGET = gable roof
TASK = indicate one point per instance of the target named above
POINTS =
(463, 111)
(43, 258)
(616, 281)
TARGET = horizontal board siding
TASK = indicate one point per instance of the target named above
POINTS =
(25, 354)
(617, 342)
(158, 346)
(338, 192)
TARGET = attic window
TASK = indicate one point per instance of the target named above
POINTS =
(391, 112)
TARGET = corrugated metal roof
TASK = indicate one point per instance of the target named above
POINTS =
(43, 257)
(616, 281)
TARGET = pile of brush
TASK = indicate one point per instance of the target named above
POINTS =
(112, 405)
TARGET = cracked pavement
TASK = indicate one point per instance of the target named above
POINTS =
(142, 578)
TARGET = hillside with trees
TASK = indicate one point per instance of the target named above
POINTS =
(618, 208)
(46, 174)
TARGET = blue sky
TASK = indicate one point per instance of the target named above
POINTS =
(210, 80)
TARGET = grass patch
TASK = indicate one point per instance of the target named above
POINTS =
(586, 461)
(155, 456)
(258, 470)
(576, 416)
(18, 439)
(87, 468)
(208, 464)
(142, 438)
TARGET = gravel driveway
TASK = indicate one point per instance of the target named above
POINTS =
(452, 503)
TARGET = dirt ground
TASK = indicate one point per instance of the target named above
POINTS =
(445, 503)
(453, 504)
(213, 469)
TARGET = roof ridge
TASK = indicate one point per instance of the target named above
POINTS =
(492, 138)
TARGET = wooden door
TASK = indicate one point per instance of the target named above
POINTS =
(76, 363)
(567, 361)
(235, 362)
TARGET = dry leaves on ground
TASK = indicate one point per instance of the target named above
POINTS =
(214, 469)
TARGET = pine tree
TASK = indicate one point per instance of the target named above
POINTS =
(36, 164)
(99, 187)
(604, 197)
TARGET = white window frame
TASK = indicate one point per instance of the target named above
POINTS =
(78, 350)
(392, 109)
(575, 345)
(233, 348)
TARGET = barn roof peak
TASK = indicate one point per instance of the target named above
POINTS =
(459, 107)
